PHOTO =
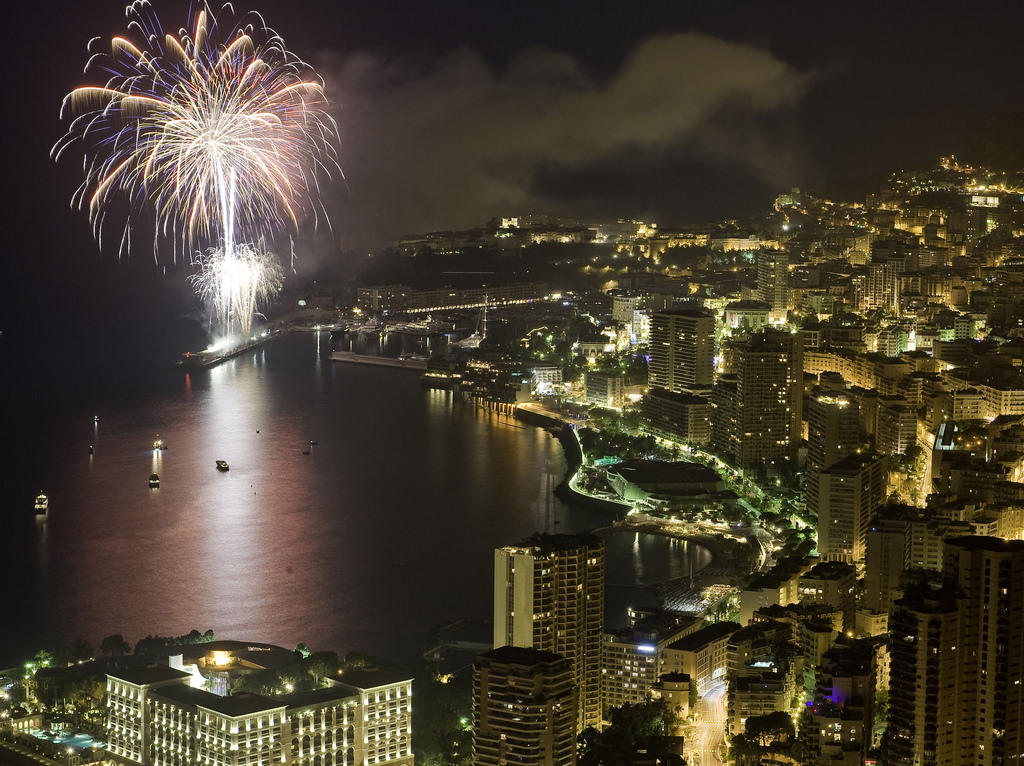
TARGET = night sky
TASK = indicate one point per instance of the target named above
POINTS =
(452, 113)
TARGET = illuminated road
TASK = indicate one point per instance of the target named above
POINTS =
(709, 732)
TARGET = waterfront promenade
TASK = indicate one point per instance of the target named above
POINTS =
(701, 589)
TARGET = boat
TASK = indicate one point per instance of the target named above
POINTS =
(154, 481)
(42, 505)
(474, 339)
(222, 465)
(369, 326)
(158, 443)
(470, 341)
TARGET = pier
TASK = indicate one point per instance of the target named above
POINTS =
(408, 363)
(193, 360)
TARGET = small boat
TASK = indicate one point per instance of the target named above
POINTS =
(154, 481)
(42, 505)
(158, 443)
(222, 465)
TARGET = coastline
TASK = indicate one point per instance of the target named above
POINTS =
(729, 558)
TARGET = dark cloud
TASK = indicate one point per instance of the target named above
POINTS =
(459, 142)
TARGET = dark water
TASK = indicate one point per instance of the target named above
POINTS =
(380, 530)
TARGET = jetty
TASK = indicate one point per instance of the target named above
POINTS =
(406, 362)
(207, 359)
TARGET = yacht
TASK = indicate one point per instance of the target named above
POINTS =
(477, 336)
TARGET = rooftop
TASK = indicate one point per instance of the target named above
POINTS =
(150, 673)
(519, 655)
(705, 636)
(370, 678)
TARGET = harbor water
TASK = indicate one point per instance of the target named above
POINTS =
(359, 510)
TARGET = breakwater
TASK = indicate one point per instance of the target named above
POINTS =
(408, 363)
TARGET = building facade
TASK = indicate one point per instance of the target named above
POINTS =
(847, 496)
(682, 350)
(524, 708)
(956, 690)
(758, 422)
(549, 595)
(156, 718)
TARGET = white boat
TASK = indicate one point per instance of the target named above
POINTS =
(470, 341)
(42, 505)
(371, 325)
(474, 339)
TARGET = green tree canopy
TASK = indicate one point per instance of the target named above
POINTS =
(633, 727)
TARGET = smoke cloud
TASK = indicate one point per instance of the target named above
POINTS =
(459, 143)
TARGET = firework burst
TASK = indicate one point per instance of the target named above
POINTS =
(236, 282)
(220, 131)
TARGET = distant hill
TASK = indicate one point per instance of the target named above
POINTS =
(997, 143)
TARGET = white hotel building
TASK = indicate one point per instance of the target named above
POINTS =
(156, 718)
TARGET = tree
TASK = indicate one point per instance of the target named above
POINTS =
(442, 732)
(633, 727)
(772, 727)
(320, 665)
(764, 733)
(81, 650)
(115, 646)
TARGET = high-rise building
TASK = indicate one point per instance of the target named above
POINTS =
(956, 690)
(846, 498)
(524, 708)
(989, 573)
(679, 417)
(760, 421)
(773, 282)
(900, 538)
(549, 595)
(682, 350)
(833, 428)
(897, 426)
(833, 432)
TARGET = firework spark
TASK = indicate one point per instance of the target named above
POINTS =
(236, 283)
(221, 130)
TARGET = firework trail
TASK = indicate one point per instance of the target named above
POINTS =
(220, 131)
(235, 282)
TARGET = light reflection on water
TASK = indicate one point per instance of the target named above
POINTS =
(381, 530)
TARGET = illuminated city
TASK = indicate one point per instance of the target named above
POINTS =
(550, 388)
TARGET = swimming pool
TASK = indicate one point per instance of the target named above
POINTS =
(75, 740)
